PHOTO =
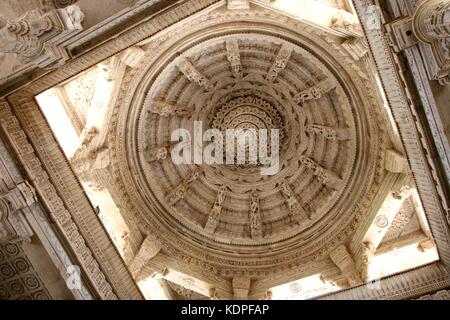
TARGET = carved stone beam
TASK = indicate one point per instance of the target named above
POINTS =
(148, 250)
(234, 57)
(343, 260)
(255, 216)
(165, 109)
(241, 287)
(193, 75)
(280, 62)
(326, 177)
(328, 133)
(180, 191)
(37, 36)
(214, 214)
(315, 92)
(296, 210)
(238, 4)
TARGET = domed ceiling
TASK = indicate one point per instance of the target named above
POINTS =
(229, 218)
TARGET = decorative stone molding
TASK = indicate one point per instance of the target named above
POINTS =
(58, 211)
(37, 36)
(440, 295)
(408, 284)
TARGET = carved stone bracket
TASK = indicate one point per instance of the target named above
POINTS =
(280, 62)
(37, 37)
(323, 175)
(213, 218)
(343, 260)
(315, 92)
(295, 208)
(193, 75)
(180, 191)
(234, 57)
(241, 287)
(149, 249)
(166, 109)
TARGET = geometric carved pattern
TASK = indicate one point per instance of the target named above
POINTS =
(18, 280)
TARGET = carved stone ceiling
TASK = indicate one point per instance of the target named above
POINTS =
(246, 69)
(231, 217)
